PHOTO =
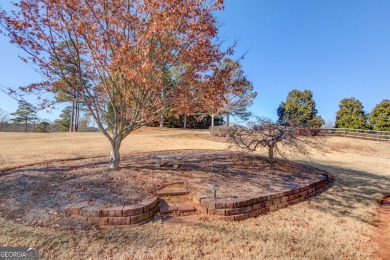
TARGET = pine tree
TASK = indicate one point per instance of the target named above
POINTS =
(239, 93)
(26, 114)
(43, 127)
(65, 120)
(66, 88)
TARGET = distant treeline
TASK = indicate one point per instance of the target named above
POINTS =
(42, 127)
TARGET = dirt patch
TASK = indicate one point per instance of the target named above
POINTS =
(37, 195)
(383, 229)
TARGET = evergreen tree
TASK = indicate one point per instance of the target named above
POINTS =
(65, 120)
(43, 127)
(351, 114)
(299, 110)
(380, 116)
(201, 121)
(66, 88)
(26, 114)
(239, 93)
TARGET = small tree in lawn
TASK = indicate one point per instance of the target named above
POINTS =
(25, 114)
(118, 53)
(380, 116)
(4, 115)
(275, 138)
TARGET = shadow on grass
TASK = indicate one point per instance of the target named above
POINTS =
(353, 193)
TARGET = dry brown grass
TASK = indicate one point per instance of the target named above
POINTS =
(337, 224)
(24, 148)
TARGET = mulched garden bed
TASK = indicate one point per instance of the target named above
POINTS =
(37, 195)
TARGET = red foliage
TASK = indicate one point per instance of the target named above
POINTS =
(307, 131)
(120, 53)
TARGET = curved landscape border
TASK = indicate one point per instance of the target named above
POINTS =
(115, 216)
(236, 209)
(229, 209)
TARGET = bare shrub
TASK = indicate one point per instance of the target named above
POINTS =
(276, 138)
(222, 131)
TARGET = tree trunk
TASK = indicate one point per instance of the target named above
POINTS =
(185, 121)
(25, 126)
(271, 154)
(162, 113)
(227, 119)
(212, 122)
(72, 118)
(115, 156)
(77, 117)
(162, 121)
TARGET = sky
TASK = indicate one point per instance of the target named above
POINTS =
(335, 48)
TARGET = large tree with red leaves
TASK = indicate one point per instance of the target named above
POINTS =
(115, 55)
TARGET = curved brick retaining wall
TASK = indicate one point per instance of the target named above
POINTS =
(115, 216)
(235, 209)
(230, 209)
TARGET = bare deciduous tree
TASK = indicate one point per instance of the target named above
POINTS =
(4, 115)
(277, 139)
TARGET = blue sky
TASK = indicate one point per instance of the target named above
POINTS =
(336, 48)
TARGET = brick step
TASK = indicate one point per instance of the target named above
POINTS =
(178, 207)
(167, 191)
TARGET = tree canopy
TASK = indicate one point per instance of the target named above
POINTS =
(380, 116)
(43, 127)
(299, 110)
(239, 94)
(65, 120)
(351, 114)
(117, 52)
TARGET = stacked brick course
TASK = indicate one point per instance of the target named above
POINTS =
(229, 209)
(235, 209)
(115, 216)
